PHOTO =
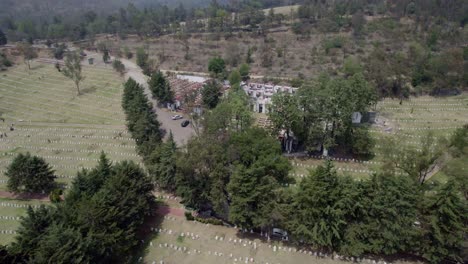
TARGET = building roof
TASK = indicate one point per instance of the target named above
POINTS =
(192, 78)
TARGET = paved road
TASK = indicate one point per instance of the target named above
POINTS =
(181, 134)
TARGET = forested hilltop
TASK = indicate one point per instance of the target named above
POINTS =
(296, 131)
(402, 47)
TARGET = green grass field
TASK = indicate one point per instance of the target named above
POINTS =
(51, 121)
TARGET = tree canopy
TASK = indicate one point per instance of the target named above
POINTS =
(160, 88)
(97, 223)
(72, 69)
(3, 38)
(31, 174)
(211, 93)
(216, 66)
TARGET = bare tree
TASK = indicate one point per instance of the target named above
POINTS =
(72, 69)
(28, 53)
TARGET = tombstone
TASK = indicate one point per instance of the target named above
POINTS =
(91, 61)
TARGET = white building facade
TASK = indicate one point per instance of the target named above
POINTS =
(260, 94)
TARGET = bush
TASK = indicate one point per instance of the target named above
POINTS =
(212, 221)
(189, 216)
(54, 196)
(336, 42)
(118, 66)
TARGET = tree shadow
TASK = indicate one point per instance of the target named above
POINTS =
(147, 232)
(90, 89)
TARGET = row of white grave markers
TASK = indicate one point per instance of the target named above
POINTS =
(79, 130)
(170, 232)
(41, 110)
(422, 104)
(425, 109)
(21, 86)
(58, 176)
(8, 232)
(402, 134)
(79, 150)
(51, 76)
(428, 120)
(65, 97)
(49, 99)
(57, 111)
(91, 144)
(428, 128)
(168, 197)
(253, 245)
(57, 89)
(417, 99)
(72, 136)
(17, 205)
(336, 159)
(76, 158)
(6, 217)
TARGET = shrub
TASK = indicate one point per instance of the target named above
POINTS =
(336, 42)
(189, 216)
(212, 221)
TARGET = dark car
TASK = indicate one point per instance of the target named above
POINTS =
(185, 123)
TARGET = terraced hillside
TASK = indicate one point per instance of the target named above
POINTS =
(408, 123)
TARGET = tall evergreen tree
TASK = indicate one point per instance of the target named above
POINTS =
(98, 225)
(160, 88)
(31, 231)
(3, 38)
(384, 222)
(87, 183)
(445, 225)
(211, 94)
(317, 216)
(162, 164)
(141, 119)
(29, 173)
(258, 174)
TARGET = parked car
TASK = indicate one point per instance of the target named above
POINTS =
(280, 233)
(176, 117)
(185, 123)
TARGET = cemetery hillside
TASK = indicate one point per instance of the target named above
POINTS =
(240, 131)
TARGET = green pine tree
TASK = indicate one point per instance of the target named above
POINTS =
(445, 225)
(162, 164)
(160, 88)
(317, 216)
(29, 173)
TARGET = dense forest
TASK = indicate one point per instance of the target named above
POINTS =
(402, 47)
(238, 172)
